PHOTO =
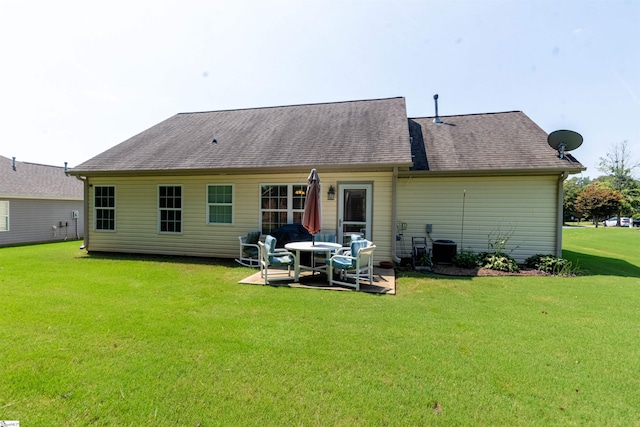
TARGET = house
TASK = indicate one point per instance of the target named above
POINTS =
(193, 183)
(481, 179)
(38, 203)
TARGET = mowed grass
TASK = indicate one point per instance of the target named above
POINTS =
(124, 340)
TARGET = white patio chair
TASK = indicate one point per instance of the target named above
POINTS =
(249, 250)
(275, 264)
(353, 264)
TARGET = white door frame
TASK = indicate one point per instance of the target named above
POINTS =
(368, 187)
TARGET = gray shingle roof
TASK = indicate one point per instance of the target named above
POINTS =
(484, 142)
(342, 134)
(37, 181)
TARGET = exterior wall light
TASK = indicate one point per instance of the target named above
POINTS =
(331, 194)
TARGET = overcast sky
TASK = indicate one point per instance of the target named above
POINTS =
(79, 77)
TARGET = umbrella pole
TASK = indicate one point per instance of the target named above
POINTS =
(313, 258)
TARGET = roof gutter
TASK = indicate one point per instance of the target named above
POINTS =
(488, 172)
(37, 197)
(241, 171)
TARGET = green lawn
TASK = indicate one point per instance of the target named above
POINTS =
(132, 341)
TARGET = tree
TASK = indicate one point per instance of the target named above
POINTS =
(598, 201)
(573, 187)
(620, 167)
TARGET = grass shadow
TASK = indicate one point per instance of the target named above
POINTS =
(590, 265)
(428, 274)
(176, 259)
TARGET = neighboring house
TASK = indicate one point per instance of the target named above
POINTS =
(38, 203)
(193, 183)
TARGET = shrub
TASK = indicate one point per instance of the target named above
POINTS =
(551, 264)
(424, 260)
(497, 259)
(467, 259)
(501, 262)
(534, 260)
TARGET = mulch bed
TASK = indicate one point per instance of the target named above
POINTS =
(452, 270)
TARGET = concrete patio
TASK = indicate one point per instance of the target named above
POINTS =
(384, 282)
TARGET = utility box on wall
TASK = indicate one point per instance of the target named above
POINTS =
(75, 214)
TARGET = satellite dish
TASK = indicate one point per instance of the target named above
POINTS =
(564, 140)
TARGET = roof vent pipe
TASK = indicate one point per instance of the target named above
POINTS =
(14, 164)
(437, 119)
(65, 167)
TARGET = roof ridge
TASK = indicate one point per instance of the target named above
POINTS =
(29, 163)
(42, 164)
(292, 105)
(470, 114)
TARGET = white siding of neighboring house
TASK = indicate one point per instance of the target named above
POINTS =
(523, 208)
(32, 220)
(137, 213)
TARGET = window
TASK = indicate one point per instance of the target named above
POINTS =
(281, 204)
(104, 203)
(4, 215)
(170, 208)
(219, 204)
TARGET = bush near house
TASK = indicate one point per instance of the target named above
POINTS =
(551, 264)
(498, 261)
(467, 258)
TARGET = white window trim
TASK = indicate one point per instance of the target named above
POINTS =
(95, 216)
(6, 218)
(159, 226)
(233, 198)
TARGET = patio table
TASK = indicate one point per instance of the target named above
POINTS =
(317, 247)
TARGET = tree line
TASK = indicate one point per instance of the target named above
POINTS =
(615, 193)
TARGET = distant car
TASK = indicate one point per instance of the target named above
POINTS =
(613, 221)
(636, 222)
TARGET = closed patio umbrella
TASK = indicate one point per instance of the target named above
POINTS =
(312, 216)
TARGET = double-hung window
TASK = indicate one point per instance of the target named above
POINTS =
(219, 204)
(170, 208)
(281, 204)
(4, 215)
(104, 207)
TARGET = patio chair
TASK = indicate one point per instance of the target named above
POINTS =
(353, 264)
(347, 239)
(275, 264)
(249, 250)
(321, 257)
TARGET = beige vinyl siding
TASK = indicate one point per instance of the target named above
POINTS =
(136, 228)
(522, 208)
(32, 221)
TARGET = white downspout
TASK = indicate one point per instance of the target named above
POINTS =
(560, 213)
(85, 219)
(394, 200)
